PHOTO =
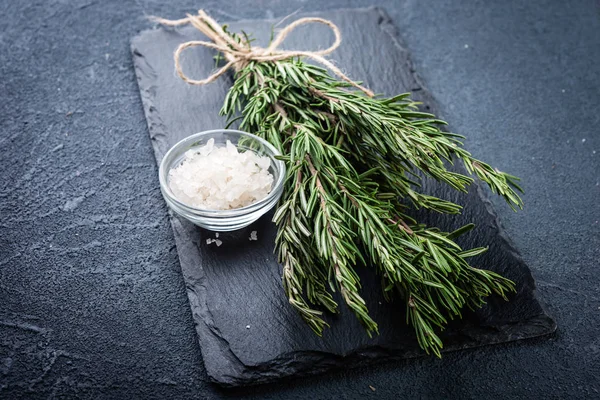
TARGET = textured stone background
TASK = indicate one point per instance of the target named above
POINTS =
(92, 301)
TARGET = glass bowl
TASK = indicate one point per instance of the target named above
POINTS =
(223, 220)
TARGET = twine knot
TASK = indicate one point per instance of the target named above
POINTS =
(238, 55)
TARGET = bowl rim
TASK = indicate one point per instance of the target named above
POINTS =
(275, 191)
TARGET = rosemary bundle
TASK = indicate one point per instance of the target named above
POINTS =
(354, 162)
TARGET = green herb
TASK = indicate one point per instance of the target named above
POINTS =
(351, 172)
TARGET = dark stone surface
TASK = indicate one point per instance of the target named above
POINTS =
(248, 332)
(92, 300)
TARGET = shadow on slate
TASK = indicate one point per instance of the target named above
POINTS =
(247, 331)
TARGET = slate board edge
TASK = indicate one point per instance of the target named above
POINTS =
(388, 26)
(314, 363)
(208, 335)
(182, 237)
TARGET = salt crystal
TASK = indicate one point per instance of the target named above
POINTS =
(221, 178)
(218, 242)
(253, 235)
(216, 234)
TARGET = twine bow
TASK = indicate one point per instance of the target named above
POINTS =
(239, 54)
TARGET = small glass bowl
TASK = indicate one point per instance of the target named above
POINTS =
(223, 220)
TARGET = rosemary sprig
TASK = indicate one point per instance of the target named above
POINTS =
(352, 163)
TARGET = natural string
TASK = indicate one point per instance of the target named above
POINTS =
(239, 54)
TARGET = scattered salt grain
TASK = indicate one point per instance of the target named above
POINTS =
(221, 178)
(215, 241)
(582, 140)
(247, 326)
(216, 234)
(253, 235)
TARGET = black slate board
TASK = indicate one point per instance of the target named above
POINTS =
(247, 331)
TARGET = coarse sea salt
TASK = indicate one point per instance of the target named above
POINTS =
(221, 178)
